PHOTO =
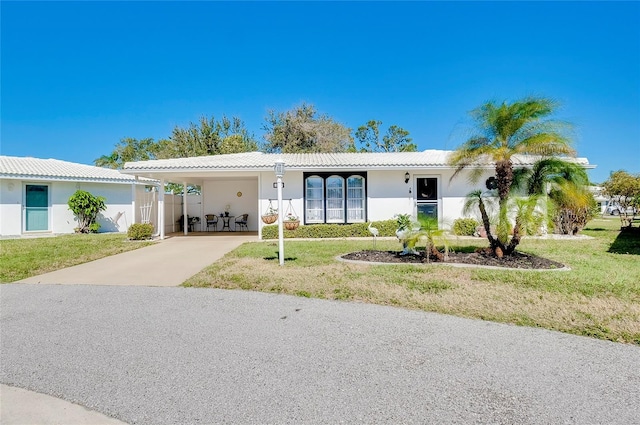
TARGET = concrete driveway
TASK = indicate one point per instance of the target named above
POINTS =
(167, 263)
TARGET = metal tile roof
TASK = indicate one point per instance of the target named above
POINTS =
(257, 161)
(54, 169)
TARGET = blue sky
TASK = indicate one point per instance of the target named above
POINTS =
(79, 76)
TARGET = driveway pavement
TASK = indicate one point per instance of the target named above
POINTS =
(148, 355)
(167, 263)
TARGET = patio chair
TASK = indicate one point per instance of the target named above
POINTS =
(212, 220)
(242, 222)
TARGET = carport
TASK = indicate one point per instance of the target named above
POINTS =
(228, 184)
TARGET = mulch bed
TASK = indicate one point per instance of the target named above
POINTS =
(516, 261)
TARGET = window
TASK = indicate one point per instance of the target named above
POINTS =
(355, 199)
(314, 199)
(335, 198)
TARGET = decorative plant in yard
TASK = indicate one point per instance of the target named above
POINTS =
(86, 207)
(140, 231)
(502, 131)
(426, 229)
(465, 226)
(565, 185)
(407, 234)
(527, 219)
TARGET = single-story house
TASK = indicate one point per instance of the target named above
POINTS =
(34, 193)
(325, 187)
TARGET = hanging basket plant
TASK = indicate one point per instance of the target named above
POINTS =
(291, 223)
(291, 220)
(270, 218)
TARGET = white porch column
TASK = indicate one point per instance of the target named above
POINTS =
(161, 209)
(133, 203)
(185, 221)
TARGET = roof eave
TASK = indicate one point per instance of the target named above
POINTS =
(29, 177)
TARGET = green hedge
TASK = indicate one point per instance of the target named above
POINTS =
(140, 231)
(465, 226)
(385, 228)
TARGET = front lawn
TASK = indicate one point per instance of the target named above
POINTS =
(22, 258)
(599, 297)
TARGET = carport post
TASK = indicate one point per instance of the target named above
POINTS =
(161, 208)
(133, 200)
(185, 219)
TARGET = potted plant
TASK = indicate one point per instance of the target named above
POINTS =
(291, 222)
(226, 210)
(270, 216)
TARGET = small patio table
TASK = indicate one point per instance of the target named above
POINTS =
(225, 222)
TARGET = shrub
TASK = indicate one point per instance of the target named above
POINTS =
(385, 228)
(140, 231)
(94, 227)
(86, 207)
(465, 226)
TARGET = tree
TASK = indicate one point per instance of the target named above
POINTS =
(302, 130)
(566, 186)
(86, 207)
(396, 140)
(624, 188)
(129, 149)
(502, 131)
(208, 137)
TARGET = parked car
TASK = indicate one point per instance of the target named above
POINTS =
(615, 209)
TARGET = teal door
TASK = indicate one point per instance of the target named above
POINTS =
(36, 207)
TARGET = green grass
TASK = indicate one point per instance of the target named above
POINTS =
(22, 258)
(599, 297)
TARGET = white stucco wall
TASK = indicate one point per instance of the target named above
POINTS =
(61, 219)
(387, 193)
(10, 207)
(118, 199)
(293, 190)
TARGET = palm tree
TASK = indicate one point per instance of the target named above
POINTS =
(109, 161)
(502, 131)
(566, 186)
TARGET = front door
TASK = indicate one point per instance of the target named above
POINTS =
(427, 197)
(36, 211)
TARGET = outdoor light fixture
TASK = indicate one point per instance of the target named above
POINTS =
(279, 170)
(407, 176)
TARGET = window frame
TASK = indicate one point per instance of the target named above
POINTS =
(345, 204)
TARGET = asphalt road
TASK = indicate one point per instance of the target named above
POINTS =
(150, 355)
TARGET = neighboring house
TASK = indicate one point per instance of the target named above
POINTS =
(601, 200)
(34, 194)
(326, 187)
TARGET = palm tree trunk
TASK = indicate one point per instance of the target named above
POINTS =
(504, 179)
(487, 225)
(515, 240)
